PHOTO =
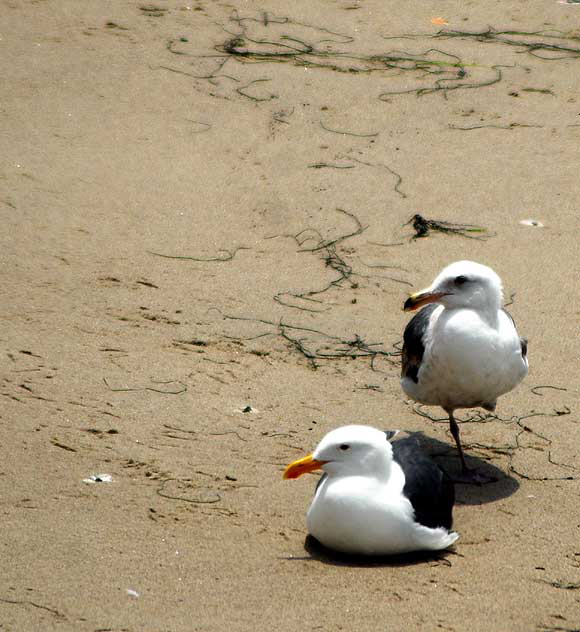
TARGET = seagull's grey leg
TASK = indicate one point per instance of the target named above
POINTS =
(468, 475)
(455, 432)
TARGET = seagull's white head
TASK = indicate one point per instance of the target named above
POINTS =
(348, 451)
(461, 284)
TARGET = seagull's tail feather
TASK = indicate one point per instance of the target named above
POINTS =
(437, 539)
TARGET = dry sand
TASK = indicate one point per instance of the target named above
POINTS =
(128, 130)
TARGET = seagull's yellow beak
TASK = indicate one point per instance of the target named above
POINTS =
(421, 298)
(302, 466)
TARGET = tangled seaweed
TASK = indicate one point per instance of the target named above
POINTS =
(423, 226)
(320, 52)
(545, 48)
(315, 345)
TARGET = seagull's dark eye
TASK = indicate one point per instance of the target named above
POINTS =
(460, 280)
(344, 446)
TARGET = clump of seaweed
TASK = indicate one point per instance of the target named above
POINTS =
(423, 227)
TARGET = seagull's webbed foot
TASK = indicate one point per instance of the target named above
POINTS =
(473, 476)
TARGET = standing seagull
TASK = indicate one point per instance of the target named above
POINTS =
(463, 349)
(377, 498)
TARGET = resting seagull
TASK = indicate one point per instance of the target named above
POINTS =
(377, 498)
(462, 350)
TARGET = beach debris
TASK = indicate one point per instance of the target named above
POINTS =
(422, 227)
(247, 410)
(132, 593)
(532, 222)
(98, 478)
(114, 25)
(565, 585)
(439, 21)
(153, 10)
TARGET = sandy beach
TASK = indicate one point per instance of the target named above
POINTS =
(205, 250)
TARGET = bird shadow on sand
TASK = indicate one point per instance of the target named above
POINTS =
(445, 455)
(320, 553)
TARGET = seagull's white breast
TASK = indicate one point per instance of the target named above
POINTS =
(360, 514)
(467, 362)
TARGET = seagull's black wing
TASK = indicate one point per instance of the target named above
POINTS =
(427, 486)
(524, 345)
(523, 341)
(413, 344)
